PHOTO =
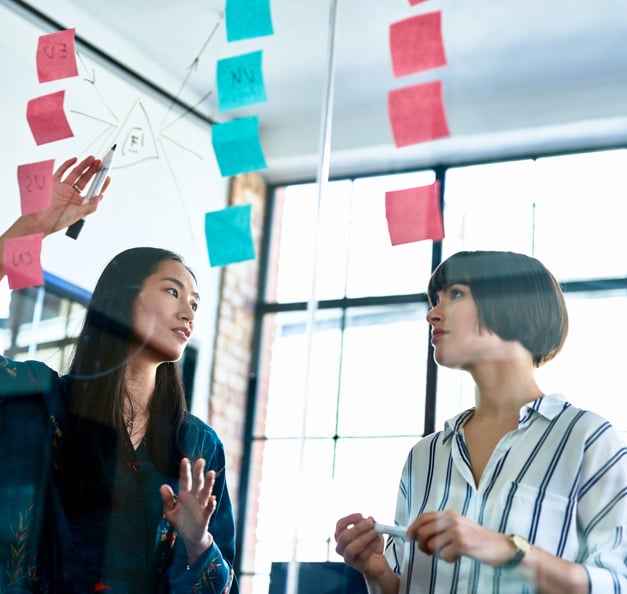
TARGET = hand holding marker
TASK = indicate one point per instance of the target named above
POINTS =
(398, 531)
(94, 189)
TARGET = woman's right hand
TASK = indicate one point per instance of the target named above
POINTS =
(66, 206)
(360, 545)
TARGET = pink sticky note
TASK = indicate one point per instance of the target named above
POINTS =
(35, 183)
(21, 258)
(56, 57)
(414, 2)
(414, 214)
(46, 118)
(416, 44)
(417, 113)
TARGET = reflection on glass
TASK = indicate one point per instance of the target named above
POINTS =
(355, 255)
(383, 371)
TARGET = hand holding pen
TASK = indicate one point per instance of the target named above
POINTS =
(98, 185)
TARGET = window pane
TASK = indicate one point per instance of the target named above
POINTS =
(383, 371)
(376, 267)
(284, 502)
(283, 373)
(367, 476)
(580, 215)
(589, 370)
(489, 207)
(293, 249)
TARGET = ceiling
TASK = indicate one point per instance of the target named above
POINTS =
(520, 76)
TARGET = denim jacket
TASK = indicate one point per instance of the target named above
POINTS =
(34, 534)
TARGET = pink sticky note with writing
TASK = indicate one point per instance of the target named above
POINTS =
(35, 183)
(21, 258)
(417, 113)
(46, 118)
(416, 44)
(414, 214)
(56, 57)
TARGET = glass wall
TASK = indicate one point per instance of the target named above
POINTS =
(344, 364)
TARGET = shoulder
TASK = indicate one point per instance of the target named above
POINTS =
(26, 377)
(199, 439)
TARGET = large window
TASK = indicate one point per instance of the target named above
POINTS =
(345, 382)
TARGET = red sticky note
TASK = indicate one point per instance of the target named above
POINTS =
(46, 118)
(35, 183)
(21, 258)
(417, 113)
(56, 57)
(414, 214)
(416, 44)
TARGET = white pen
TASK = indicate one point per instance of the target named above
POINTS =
(398, 531)
(94, 189)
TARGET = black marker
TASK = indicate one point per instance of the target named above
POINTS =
(96, 187)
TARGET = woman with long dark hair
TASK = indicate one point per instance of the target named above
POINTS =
(133, 490)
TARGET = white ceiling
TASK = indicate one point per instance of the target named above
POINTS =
(521, 76)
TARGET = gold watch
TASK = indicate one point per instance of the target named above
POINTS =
(522, 547)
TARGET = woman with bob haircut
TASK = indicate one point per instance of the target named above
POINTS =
(110, 484)
(523, 493)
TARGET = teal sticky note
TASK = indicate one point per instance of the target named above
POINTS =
(240, 81)
(246, 19)
(229, 235)
(237, 147)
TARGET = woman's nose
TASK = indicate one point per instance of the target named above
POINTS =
(433, 315)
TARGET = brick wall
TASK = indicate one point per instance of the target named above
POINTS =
(235, 322)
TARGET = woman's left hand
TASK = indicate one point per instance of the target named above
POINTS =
(449, 535)
(189, 512)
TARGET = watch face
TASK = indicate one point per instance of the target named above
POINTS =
(521, 543)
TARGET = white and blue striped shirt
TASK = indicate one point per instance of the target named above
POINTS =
(559, 480)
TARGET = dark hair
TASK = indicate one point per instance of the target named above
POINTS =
(96, 381)
(517, 298)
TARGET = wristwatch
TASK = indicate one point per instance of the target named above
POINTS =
(522, 547)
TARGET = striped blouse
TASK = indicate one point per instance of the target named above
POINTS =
(560, 480)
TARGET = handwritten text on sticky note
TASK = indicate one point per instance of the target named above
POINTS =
(240, 81)
(21, 257)
(35, 183)
(56, 57)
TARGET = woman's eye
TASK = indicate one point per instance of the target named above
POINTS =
(456, 293)
(174, 292)
(194, 306)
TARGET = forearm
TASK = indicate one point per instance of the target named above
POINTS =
(553, 575)
(386, 583)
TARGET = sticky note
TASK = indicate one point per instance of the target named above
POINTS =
(414, 214)
(46, 118)
(21, 258)
(417, 113)
(246, 19)
(35, 183)
(237, 147)
(240, 81)
(416, 44)
(229, 235)
(414, 2)
(56, 57)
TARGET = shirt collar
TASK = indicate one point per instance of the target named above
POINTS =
(548, 406)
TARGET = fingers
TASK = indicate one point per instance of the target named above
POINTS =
(167, 498)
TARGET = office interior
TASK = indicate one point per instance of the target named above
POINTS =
(312, 359)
